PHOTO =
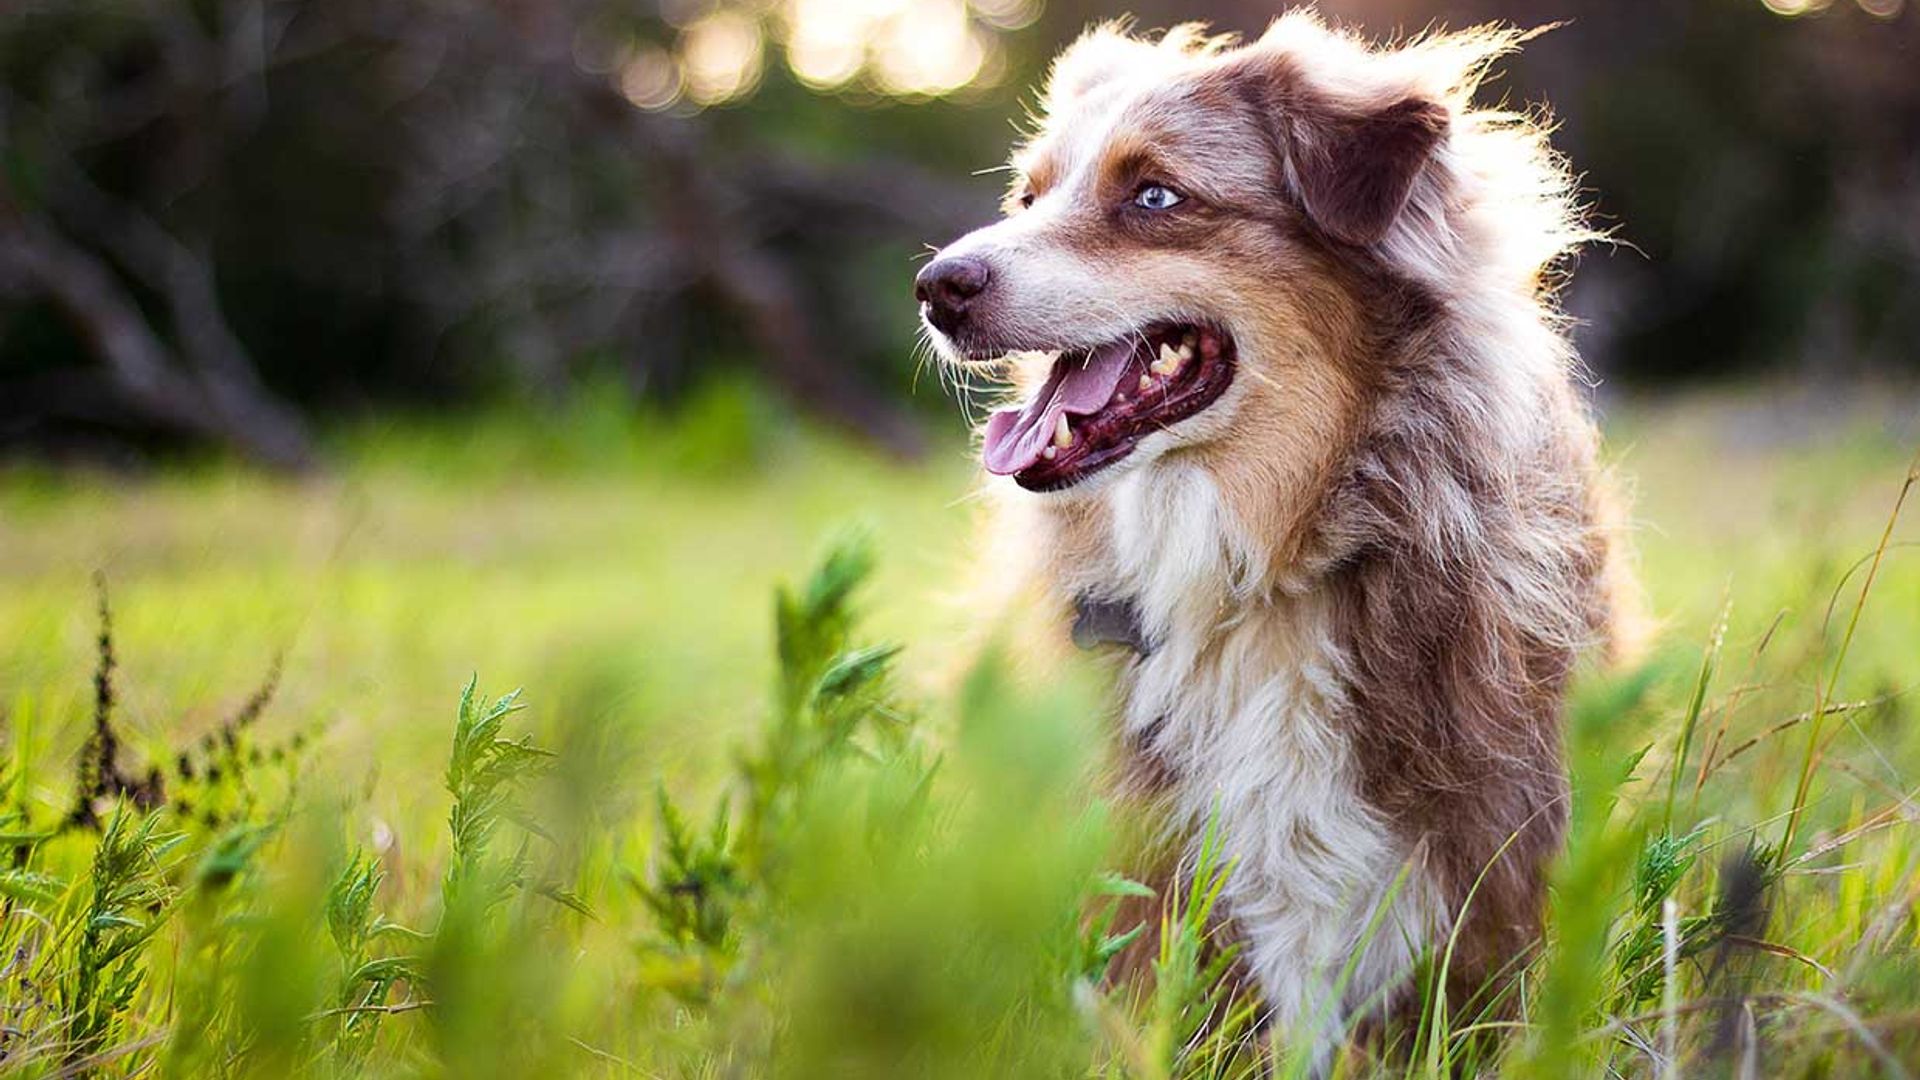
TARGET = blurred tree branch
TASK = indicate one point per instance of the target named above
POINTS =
(219, 398)
(191, 178)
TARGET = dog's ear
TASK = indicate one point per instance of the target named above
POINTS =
(1109, 51)
(1350, 160)
(1100, 54)
(1355, 168)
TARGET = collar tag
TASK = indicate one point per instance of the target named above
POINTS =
(1108, 622)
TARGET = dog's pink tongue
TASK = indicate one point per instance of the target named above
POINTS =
(1077, 386)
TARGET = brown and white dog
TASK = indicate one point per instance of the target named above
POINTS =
(1299, 427)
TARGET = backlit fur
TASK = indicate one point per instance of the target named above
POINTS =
(1369, 567)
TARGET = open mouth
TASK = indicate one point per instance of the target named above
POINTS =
(1097, 404)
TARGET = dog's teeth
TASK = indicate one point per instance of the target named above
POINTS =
(1062, 434)
(1146, 382)
(1169, 361)
(1186, 353)
(1049, 453)
(1189, 339)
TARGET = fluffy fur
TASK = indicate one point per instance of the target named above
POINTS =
(1369, 567)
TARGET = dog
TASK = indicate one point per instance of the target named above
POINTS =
(1299, 429)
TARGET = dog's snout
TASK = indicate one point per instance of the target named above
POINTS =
(947, 285)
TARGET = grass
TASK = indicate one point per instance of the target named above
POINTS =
(717, 836)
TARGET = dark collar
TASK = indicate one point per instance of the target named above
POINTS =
(1099, 622)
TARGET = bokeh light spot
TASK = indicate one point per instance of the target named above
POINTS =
(721, 55)
(906, 48)
(1007, 14)
(650, 78)
(826, 41)
(928, 49)
(1792, 8)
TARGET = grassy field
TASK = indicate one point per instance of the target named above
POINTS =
(899, 885)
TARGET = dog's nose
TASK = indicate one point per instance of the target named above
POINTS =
(947, 286)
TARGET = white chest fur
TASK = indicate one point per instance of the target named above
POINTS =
(1240, 702)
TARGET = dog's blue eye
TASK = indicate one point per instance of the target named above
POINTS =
(1156, 197)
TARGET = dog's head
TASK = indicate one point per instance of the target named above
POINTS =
(1200, 244)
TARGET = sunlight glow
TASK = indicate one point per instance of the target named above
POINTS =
(1792, 8)
(721, 54)
(826, 41)
(919, 48)
(901, 48)
(929, 49)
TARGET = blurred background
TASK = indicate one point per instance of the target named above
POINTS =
(234, 222)
(405, 338)
(358, 346)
